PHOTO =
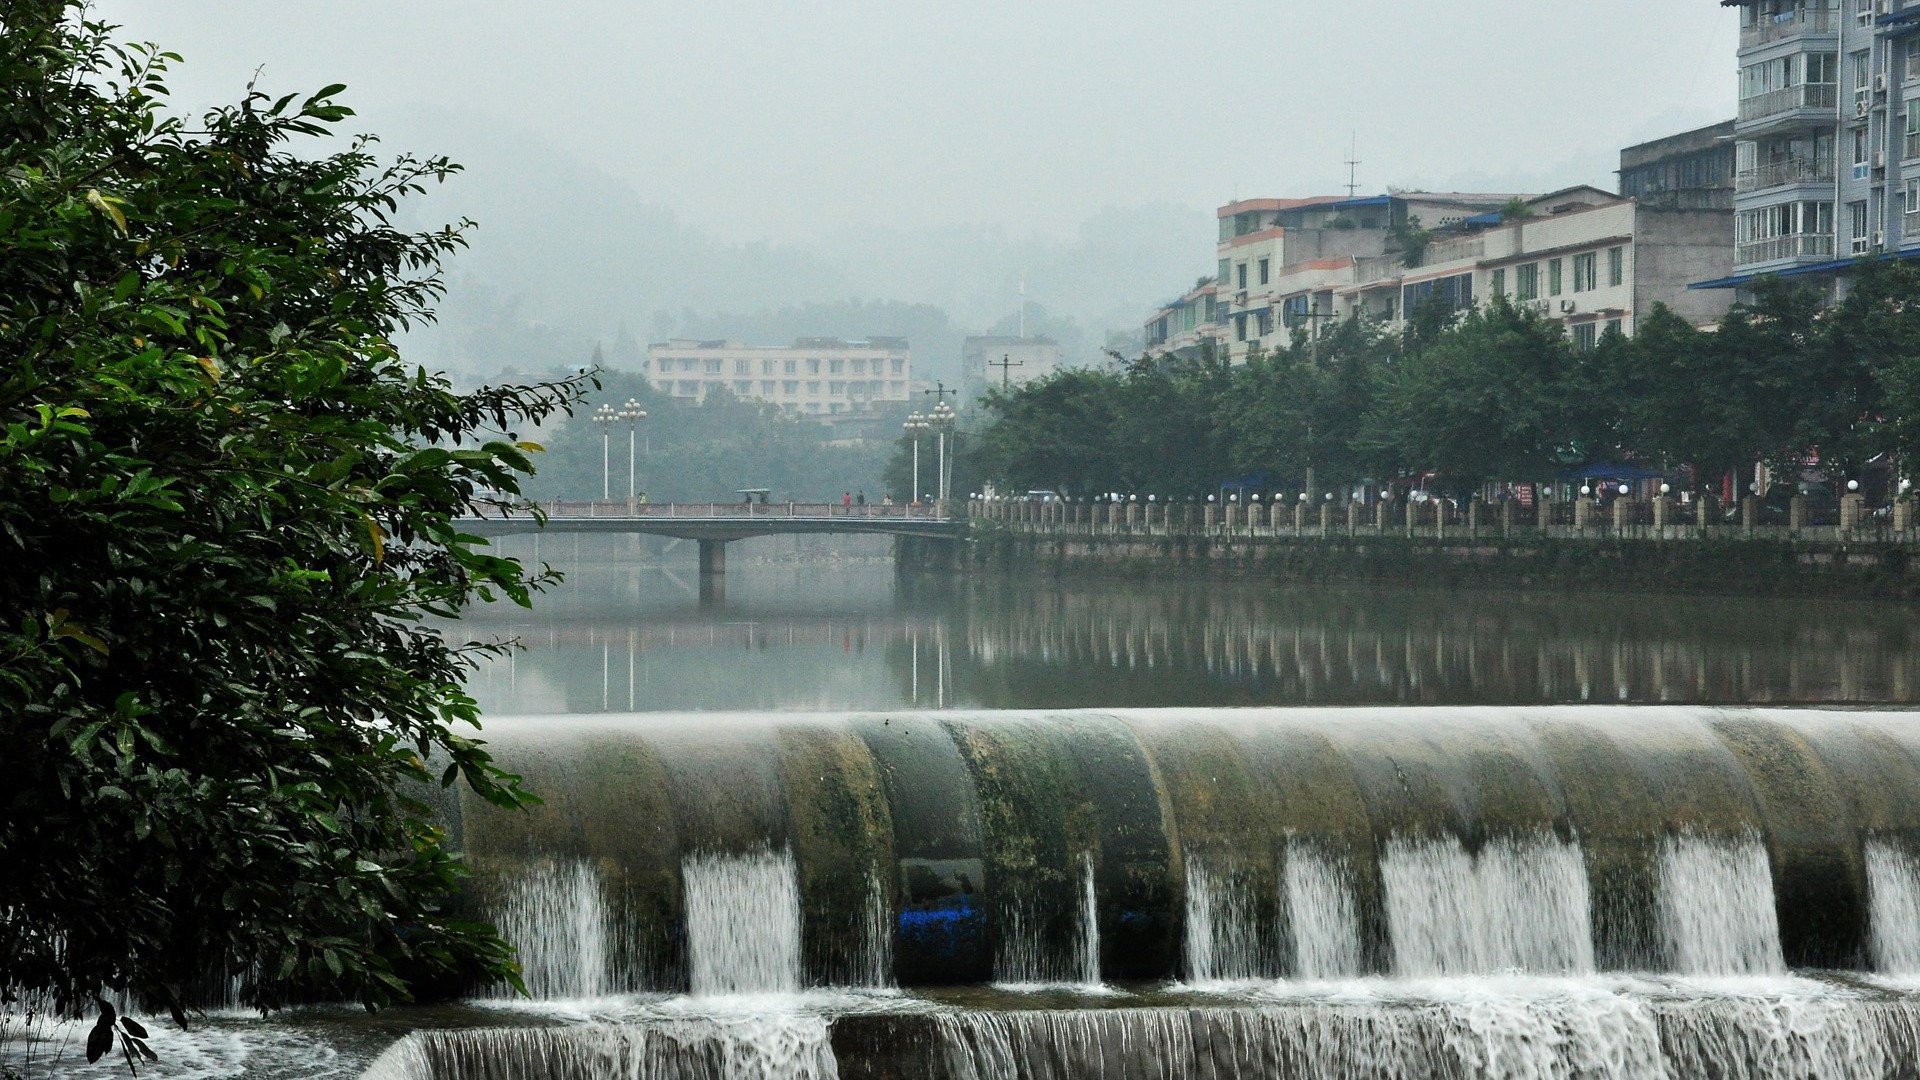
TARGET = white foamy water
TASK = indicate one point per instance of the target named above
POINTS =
(1321, 914)
(1519, 904)
(1716, 906)
(1893, 895)
(556, 916)
(743, 923)
(742, 1048)
(874, 968)
(1223, 935)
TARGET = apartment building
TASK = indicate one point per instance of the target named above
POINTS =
(1585, 258)
(1310, 244)
(990, 361)
(824, 377)
(1185, 326)
(1693, 170)
(1828, 137)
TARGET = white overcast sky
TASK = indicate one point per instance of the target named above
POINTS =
(795, 120)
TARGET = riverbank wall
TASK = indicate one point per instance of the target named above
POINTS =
(1758, 561)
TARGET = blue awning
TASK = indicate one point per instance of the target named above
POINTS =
(1830, 267)
(1900, 18)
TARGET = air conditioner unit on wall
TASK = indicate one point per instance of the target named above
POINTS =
(1879, 238)
(1568, 307)
(1862, 107)
(1879, 159)
(1880, 83)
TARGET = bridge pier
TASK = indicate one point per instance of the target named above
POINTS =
(713, 573)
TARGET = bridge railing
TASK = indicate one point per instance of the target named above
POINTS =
(623, 508)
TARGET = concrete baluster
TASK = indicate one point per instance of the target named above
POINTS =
(1797, 513)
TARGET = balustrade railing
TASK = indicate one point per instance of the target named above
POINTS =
(1789, 99)
(1788, 171)
(1789, 24)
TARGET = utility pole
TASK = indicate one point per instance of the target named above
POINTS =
(1005, 362)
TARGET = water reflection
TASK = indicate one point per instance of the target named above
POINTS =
(849, 634)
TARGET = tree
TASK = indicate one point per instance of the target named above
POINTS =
(226, 508)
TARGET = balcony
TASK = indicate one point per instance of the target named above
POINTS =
(1789, 99)
(1803, 246)
(1787, 171)
(1789, 24)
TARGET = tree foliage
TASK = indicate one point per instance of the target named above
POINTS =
(225, 509)
(1493, 394)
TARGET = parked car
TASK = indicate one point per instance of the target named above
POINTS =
(1823, 506)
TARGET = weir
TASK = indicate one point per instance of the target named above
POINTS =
(1434, 892)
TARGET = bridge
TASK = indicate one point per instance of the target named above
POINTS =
(714, 525)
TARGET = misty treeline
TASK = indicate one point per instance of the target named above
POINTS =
(707, 452)
(1488, 395)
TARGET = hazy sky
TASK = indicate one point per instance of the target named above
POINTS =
(793, 120)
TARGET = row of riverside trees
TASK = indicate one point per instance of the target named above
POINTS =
(1489, 395)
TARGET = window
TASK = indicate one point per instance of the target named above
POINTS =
(1910, 201)
(1222, 278)
(1859, 151)
(689, 388)
(1265, 266)
(1863, 12)
(900, 366)
(1912, 147)
(813, 388)
(1616, 267)
(1526, 281)
(1240, 327)
(1585, 335)
(835, 367)
(1499, 284)
(859, 367)
(1857, 218)
(836, 389)
(790, 387)
(1241, 271)
(766, 367)
(792, 367)
(1616, 326)
(1554, 268)
(766, 387)
(1586, 272)
(713, 367)
(1913, 59)
(1265, 317)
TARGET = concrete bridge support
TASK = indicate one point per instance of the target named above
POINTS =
(713, 572)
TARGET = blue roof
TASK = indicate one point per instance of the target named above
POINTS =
(1833, 266)
(1368, 200)
(1898, 18)
(1493, 218)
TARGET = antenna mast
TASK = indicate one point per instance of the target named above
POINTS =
(1353, 167)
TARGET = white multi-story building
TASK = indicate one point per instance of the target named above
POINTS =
(1828, 137)
(1587, 259)
(823, 377)
(989, 361)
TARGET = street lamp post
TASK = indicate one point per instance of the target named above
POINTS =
(605, 417)
(942, 422)
(915, 424)
(632, 413)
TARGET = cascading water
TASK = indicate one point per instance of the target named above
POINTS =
(1223, 934)
(1027, 960)
(1716, 906)
(1517, 904)
(735, 1048)
(556, 916)
(1320, 914)
(743, 924)
(873, 967)
(1893, 888)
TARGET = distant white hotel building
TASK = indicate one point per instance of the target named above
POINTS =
(814, 376)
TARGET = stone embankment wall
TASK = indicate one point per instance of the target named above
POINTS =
(1623, 546)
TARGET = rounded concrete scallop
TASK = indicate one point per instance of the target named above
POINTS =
(604, 799)
(842, 834)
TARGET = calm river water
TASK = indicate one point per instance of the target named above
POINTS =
(847, 632)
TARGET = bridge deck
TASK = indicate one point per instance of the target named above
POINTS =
(722, 521)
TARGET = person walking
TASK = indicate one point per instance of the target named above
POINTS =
(846, 503)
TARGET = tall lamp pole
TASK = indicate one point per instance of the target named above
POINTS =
(605, 417)
(942, 421)
(632, 413)
(915, 424)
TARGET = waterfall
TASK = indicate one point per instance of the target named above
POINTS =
(556, 916)
(874, 965)
(1893, 890)
(760, 1048)
(1025, 959)
(743, 923)
(1223, 937)
(1517, 904)
(1320, 914)
(1716, 906)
